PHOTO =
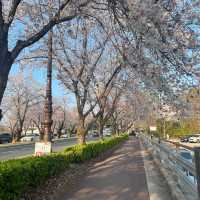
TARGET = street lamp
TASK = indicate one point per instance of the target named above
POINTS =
(45, 147)
(47, 123)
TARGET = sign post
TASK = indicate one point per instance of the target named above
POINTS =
(153, 128)
(42, 148)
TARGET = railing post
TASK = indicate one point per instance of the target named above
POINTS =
(197, 165)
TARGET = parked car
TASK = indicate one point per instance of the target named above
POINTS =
(185, 138)
(133, 133)
(107, 132)
(5, 138)
(64, 136)
(195, 138)
(31, 138)
(95, 133)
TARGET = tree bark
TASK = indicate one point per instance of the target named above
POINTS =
(59, 130)
(81, 140)
(81, 132)
(4, 71)
(101, 126)
(41, 131)
(18, 133)
(114, 126)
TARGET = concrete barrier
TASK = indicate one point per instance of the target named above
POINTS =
(175, 169)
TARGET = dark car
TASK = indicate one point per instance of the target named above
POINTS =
(5, 138)
(95, 134)
(186, 138)
(133, 133)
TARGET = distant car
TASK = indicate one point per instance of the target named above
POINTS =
(30, 138)
(132, 133)
(185, 138)
(5, 138)
(107, 132)
(64, 136)
(95, 133)
(54, 136)
(194, 138)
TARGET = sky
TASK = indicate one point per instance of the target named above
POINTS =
(40, 76)
(39, 73)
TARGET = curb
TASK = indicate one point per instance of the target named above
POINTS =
(28, 143)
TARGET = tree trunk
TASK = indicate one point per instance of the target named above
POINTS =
(13, 136)
(81, 140)
(118, 131)
(18, 134)
(114, 127)
(81, 132)
(59, 131)
(41, 131)
(4, 71)
(101, 126)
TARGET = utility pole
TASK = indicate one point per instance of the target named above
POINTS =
(47, 121)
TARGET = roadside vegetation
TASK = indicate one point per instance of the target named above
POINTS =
(16, 176)
(176, 129)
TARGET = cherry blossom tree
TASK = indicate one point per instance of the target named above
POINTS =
(20, 97)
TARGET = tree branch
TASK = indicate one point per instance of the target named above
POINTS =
(21, 44)
(13, 9)
(1, 16)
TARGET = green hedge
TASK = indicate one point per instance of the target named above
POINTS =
(16, 176)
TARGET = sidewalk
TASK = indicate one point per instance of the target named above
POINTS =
(119, 177)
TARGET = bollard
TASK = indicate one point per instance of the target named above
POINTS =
(197, 165)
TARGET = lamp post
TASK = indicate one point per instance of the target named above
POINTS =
(47, 121)
(45, 147)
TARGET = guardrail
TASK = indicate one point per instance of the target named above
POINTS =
(187, 174)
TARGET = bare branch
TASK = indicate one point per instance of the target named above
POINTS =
(13, 9)
(1, 16)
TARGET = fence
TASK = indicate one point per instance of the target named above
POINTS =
(186, 173)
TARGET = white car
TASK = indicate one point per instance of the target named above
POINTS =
(64, 136)
(195, 138)
(107, 132)
(30, 138)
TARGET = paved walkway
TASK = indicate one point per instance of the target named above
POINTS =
(119, 177)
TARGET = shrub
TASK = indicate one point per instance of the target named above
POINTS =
(18, 175)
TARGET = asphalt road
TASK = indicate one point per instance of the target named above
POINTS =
(20, 150)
